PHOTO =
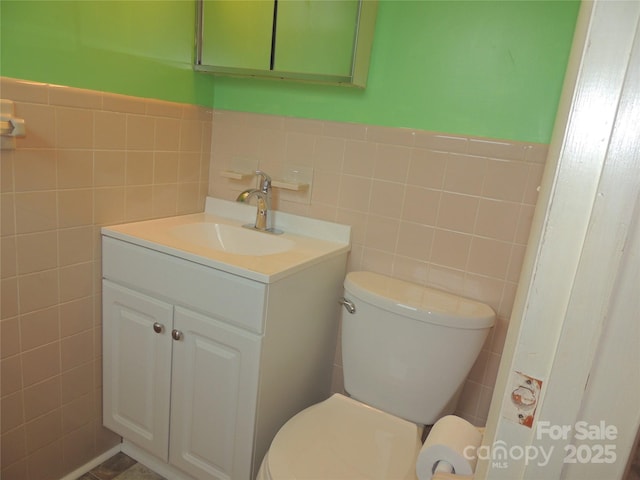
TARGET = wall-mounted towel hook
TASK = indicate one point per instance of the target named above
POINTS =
(10, 126)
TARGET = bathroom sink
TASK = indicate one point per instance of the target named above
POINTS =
(216, 238)
(231, 239)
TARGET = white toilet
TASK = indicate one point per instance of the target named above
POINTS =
(406, 353)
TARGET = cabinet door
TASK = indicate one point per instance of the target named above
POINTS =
(137, 367)
(237, 34)
(214, 389)
(311, 40)
(316, 37)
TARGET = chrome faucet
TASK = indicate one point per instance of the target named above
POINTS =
(263, 198)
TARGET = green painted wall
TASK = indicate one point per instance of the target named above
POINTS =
(141, 48)
(486, 68)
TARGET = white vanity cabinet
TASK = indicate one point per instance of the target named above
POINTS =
(165, 407)
(179, 384)
(201, 366)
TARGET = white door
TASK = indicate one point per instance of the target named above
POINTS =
(137, 367)
(214, 389)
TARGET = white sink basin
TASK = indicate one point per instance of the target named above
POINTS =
(215, 238)
(231, 239)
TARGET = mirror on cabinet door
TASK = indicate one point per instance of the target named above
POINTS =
(316, 40)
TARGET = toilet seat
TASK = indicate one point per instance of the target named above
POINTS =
(342, 438)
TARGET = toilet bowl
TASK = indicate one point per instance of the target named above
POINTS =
(342, 438)
(407, 350)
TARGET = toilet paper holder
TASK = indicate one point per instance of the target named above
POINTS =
(444, 454)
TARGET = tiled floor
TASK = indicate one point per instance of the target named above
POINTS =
(121, 467)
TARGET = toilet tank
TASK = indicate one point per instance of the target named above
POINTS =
(407, 349)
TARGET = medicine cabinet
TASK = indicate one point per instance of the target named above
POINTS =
(325, 41)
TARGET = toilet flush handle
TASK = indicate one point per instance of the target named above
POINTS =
(348, 304)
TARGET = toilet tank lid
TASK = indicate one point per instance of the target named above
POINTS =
(419, 302)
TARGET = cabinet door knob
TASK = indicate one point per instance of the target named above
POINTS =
(158, 327)
(176, 334)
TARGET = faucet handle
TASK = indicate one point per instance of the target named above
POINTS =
(264, 181)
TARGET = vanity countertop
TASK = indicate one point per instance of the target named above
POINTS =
(306, 241)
